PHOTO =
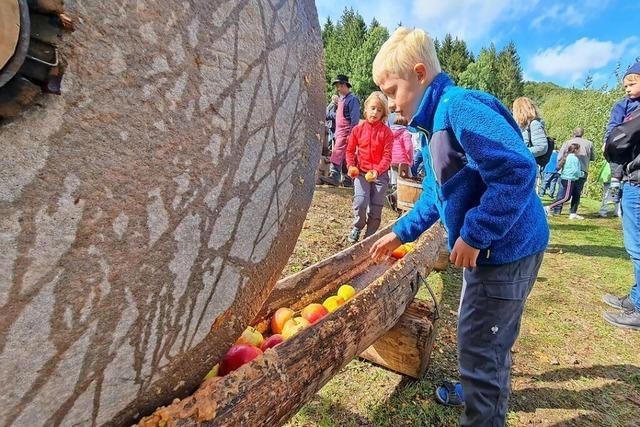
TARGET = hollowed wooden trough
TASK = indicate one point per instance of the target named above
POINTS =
(272, 388)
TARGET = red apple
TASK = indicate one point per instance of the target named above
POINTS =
(293, 326)
(237, 356)
(272, 341)
(251, 336)
(313, 312)
(279, 318)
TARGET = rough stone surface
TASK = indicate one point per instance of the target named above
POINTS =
(159, 195)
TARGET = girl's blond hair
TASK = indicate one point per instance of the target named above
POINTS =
(402, 51)
(631, 78)
(525, 111)
(377, 95)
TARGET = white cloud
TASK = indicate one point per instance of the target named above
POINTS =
(468, 19)
(574, 61)
(565, 15)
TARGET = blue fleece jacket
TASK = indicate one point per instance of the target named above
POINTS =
(480, 176)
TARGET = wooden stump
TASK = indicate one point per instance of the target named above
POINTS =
(442, 263)
(406, 348)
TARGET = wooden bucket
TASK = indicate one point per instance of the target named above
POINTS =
(409, 191)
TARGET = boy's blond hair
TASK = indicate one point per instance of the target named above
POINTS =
(377, 95)
(631, 78)
(402, 51)
(525, 111)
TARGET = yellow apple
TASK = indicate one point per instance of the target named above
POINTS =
(346, 292)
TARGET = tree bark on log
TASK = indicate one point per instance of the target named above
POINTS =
(272, 388)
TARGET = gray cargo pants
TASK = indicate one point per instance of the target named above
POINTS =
(368, 200)
(491, 306)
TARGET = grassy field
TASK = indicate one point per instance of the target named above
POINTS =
(570, 367)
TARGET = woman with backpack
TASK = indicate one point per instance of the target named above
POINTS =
(528, 118)
(526, 114)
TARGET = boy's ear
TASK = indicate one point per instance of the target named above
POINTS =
(421, 71)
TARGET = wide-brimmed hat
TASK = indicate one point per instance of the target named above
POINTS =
(341, 78)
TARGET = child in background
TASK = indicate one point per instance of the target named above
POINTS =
(480, 181)
(608, 197)
(401, 156)
(629, 317)
(571, 172)
(550, 178)
(419, 141)
(368, 160)
(402, 150)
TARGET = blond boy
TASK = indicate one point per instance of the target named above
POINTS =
(480, 184)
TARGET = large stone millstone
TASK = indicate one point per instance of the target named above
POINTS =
(160, 194)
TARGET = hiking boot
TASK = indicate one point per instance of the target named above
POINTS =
(621, 303)
(354, 236)
(575, 216)
(629, 319)
(347, 182)
(330, 180)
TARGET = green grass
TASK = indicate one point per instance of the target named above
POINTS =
(570, 367)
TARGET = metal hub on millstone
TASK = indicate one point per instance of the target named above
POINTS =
(30, 64)
(14, 37)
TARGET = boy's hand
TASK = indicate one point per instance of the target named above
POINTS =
(383, 247)
(353, 172)
(464, 255)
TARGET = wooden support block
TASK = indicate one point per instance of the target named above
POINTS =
(406, 348)
(442, 263)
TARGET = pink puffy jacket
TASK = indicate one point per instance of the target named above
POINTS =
(402, 149)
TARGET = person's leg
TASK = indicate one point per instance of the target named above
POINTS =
(564, 194)
(346, 179)
(417, 161)
(604, 210)
(630, 318)
(377, 196)
(361, 189)
(631, 234)
(555, 177)
(544, 184)
(491, 308)
(575, 195)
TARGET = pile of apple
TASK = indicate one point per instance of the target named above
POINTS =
(284, 325)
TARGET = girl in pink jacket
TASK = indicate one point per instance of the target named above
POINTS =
(402, 149)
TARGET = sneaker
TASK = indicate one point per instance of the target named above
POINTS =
(575, 216)
(547, 212)
(354, 236)
(621, 303)
(629, 319)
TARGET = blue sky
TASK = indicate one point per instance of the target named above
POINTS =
(558, 41)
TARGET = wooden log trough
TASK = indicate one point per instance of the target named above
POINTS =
(273, 387)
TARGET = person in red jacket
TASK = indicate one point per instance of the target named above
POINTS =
(368, 160)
